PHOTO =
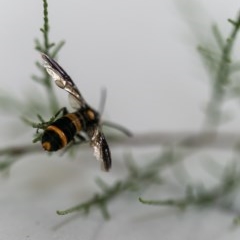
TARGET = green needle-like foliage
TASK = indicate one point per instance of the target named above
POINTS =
(222, 73)
(201, 197)
(51, 49)
(221, 68)
(138, 179)
(220, 86)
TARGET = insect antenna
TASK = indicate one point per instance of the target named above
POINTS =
(107, 123)
(118, 127)
(102, 102)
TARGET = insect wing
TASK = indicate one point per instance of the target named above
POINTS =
(63, 80)
(101, 149)
(74, 102)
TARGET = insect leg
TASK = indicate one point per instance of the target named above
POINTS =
(81, 139)
(62, 110)
(43, 125)
(118, 127)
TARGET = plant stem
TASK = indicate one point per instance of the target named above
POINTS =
(49, 86)
(221, 80)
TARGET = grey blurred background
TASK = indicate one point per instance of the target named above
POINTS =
(144, 54)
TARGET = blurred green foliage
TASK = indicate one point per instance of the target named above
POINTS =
(222, 69)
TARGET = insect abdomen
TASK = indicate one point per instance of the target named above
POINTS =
(61, 132)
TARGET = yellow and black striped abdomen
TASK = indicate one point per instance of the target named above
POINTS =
(61, 132)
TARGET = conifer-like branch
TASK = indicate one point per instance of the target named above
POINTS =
(220, 86)
(220, 63)
(222, 77)
(51, 49)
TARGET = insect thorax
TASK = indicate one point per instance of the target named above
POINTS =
(90, 120)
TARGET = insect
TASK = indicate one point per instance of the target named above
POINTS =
(84, 120)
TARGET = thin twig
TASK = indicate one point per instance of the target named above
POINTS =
(180, 139)
(221, 80)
